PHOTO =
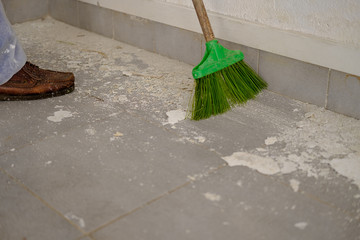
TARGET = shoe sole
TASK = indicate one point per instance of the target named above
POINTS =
(5, 97)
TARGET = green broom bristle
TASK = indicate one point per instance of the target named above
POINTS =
(209, 98)
(217, 92)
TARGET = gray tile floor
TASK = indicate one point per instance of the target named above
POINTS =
(117, 159)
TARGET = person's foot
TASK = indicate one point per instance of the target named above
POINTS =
(32, 82)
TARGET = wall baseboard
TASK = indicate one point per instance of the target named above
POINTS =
(24, 10)
(298, 46)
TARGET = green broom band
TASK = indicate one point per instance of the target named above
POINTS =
(216, 57)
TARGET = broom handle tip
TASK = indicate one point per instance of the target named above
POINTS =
(204, 20)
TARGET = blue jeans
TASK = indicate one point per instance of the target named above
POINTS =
(12, 56)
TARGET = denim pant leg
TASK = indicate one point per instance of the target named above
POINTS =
(12, 56)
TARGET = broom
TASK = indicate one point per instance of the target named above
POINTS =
(222, 78)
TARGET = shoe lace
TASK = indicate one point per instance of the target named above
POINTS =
(32, 70)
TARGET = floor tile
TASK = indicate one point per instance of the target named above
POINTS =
(118, 156)
(245, 127)
(25, 217)
(234, 204)
(44, 118)
(99, 172)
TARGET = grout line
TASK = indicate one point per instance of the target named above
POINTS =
(134, 114)
(327, 89)
(159, 125)
(313, 197)
(84, 236)
(152, 201)
(310, 196)
(77, 13)
(136, 209)
(331, 205)
(113, 24)
(19, 183)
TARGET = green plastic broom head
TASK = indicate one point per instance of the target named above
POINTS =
(216, 58)
(222, 80)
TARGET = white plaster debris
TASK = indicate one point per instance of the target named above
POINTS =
(137, 78)
(270, 140)
(175, 116)
(294, 184)
(59, 116)
(90, 131)
(127, 73)
(309, 115)
(212, 197)
(192, 178)
(79, 221)
(301, 225)
(348, 167)
(261, 149)
(239, 183)
(118, 134)
(320, 142)
(357, 196)
(48, 163)
(200, 139)
(120, 99)
(263, 165)
(12, 150)
(306, 146)
(287, 167)
(197, 176)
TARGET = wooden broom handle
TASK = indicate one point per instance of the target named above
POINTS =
(204, 20)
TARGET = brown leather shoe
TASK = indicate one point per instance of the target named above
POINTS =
(32, 82)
